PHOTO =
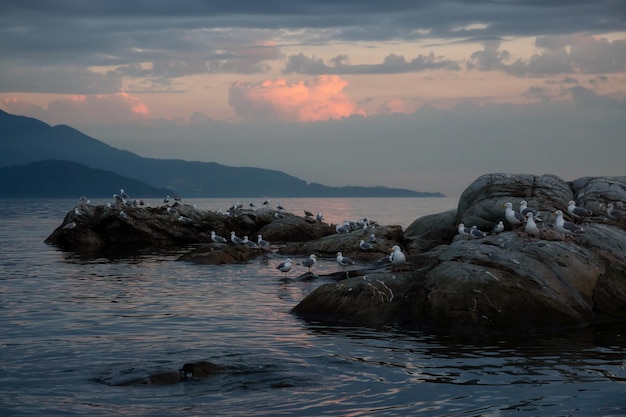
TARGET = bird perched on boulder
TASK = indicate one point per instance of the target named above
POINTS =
(564, 227)
(217, 239)
(344, 261)
(531, 228)
(463, 231)
(396, 257)
(235, 239)
(514, 218)
(363, 245)
(498, 228)
(476, 233)
(249, 243)
(576, 212)
(614, 213)
(524, 209)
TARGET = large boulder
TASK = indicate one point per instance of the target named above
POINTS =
(502, 283)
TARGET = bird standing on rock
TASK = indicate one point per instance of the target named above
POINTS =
(217, 239)
(397, 257)
(514, 218)
(463, 231)
(564, 227)
(578, 212)
(363, 245)
(476, 233)
(235, 239)
(344, 261)
(531, 228)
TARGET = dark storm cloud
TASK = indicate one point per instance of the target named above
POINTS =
(161, 40)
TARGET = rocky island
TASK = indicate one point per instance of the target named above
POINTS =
(554, 269)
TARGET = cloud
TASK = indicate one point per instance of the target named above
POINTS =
(62, 79)
(74, 110)
(321, 98)
(392, 64)
(571, 54)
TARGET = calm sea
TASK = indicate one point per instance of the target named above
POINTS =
(72, 328)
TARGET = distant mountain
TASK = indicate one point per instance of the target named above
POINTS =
(65, 179)
(24, 140)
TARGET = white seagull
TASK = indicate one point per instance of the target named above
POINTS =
(365, 245)
(463, 231)
(309, 262)
(498, 228)
(217, 239)
(285, 267)
(523, 209)
(476, 233)
(578, 212)
(263, 244)
(249, 243)
(235, 239)
(343, 261)
(564, 227)
(613, 212)
(397, 257)
(512, 216)
(531, 228)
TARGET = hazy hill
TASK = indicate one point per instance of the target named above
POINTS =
(65, 179)
(24, 140)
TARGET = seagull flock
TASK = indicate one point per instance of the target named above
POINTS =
(532, 223)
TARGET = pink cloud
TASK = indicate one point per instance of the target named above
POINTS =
(78, 109)
(321, 98)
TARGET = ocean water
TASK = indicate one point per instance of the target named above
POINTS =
(73, 328)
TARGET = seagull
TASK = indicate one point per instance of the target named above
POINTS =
(235, 239)
(249, 243)
(267, 202)
(279, 207)
(463, 231)
(498, 228)
(123, 194)
(263, 244)
(523, 209)
(166, 200)
(343, 261)
(512, 216)
(578, 212)
(217, 239)
(613, 212)
(397, 257)
(531, 228)
(566, 228)
(308, 213)
(285, 267)
(365, 245)
(373, 239)
(476, 233)
(320, 216)
(309, 262)
(251, 204)
(122, 215)
(342, 229)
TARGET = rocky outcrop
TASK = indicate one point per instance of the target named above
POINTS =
(507, 282)
(90, 227)
(501, 283)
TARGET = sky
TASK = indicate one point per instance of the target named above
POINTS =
(420, 94)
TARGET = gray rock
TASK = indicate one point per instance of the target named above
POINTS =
(503, 283)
